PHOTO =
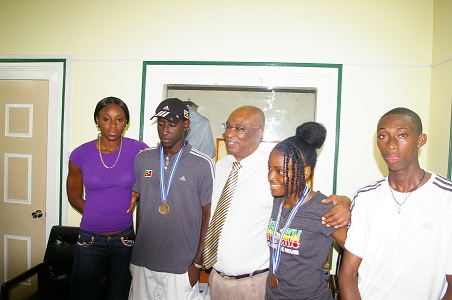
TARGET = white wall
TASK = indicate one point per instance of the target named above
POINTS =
(385, 47)
(441, 91)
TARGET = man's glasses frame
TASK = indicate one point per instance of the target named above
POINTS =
(237, 129)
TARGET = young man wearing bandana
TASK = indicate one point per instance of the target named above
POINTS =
(175, 182)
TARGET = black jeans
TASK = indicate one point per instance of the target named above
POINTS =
(98, 256)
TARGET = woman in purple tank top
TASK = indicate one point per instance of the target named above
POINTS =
(99, 186)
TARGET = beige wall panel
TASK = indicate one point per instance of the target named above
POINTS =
(19, 120)
(17, 255)
(17, 178)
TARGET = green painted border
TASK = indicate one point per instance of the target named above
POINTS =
(63, 106)
(276, 64)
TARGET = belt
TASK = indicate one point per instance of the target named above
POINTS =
(243, 275)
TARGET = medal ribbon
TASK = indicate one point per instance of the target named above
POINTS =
(276, 251)
(164, 192)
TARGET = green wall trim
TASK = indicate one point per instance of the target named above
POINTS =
(63, 107)
(242, 63)
(338, 125)
(143, 91)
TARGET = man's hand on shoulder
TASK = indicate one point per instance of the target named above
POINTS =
(339, 215)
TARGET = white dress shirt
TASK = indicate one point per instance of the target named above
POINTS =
(242, 246)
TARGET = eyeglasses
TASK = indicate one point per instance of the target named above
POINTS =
(237, 129)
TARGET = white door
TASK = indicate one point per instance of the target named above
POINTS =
(31, 114)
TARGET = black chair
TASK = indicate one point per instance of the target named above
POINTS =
(333, 278)
(55, 272)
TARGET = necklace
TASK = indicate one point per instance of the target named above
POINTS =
(102, 160)
(288, 212)
(166, 163)
(400, 204)
(277, 245)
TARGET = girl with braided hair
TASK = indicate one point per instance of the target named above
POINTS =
(299, 243)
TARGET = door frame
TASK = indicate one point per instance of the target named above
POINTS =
(326, 78)
(57, 71)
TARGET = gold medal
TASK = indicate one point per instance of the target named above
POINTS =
(273, 281)
(163, 209)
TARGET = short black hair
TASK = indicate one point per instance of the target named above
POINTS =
(111, 100)
(406, 112)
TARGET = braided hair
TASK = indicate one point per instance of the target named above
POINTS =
(299, 151)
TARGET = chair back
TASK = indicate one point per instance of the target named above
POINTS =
(56, 273)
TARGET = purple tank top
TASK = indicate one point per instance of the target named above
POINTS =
(107, 191)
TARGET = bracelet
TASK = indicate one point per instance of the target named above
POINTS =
(197, 265)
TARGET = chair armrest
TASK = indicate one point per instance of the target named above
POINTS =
(334, 286)
(7, 285)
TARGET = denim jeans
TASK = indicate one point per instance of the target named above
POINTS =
(98, 256)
